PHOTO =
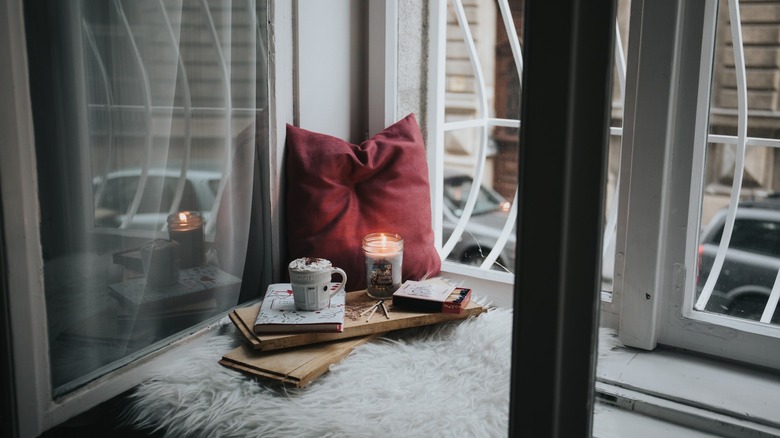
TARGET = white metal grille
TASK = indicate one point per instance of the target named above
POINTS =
(483, 121)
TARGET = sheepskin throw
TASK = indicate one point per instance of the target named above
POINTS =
(446, 380)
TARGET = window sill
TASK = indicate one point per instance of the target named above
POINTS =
(708, 395)
(663, 392)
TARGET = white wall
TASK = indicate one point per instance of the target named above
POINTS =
(333, 66)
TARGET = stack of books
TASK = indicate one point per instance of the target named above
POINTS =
(302, 348)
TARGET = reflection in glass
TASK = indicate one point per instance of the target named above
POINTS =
(142, 109)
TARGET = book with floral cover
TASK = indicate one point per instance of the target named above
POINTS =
(279, 315)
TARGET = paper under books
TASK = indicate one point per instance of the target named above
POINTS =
(279, 315)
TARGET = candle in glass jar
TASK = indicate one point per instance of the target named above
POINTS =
(186, 228)
(384, 258)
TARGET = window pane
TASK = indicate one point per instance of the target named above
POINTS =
(481, 131)
(143, 110)
(740, 211)
(489, 214)
(483, 69)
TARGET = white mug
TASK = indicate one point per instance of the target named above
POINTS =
(310, 280)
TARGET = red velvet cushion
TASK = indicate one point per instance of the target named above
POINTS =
(338, 192)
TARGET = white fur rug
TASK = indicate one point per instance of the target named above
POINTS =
(446, 380)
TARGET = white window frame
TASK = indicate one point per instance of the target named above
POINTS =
(37, 410)
(665, 131)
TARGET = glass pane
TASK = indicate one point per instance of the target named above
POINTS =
(148, 115)
(615, 141)
(740, 250)
(482, 114)
(490, 75)
(490, 212)
(461, 84)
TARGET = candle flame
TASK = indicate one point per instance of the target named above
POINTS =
(384, 240)
(182, 217)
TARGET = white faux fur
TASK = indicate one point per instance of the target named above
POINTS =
(446, 380)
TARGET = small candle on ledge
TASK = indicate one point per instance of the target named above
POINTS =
(384, 259)
(186, 228)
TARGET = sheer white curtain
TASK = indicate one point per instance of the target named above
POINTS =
(143, 110)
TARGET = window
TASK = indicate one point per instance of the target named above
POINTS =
(689, 274)
(162, 102)
(477, 133)
(119, 116)
(676, 137)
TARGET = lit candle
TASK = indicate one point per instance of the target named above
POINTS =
(186, 228)
(384, 259)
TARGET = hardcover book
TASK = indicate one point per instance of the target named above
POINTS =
(279, 315)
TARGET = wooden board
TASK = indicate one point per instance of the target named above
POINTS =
(294, 366)
(354, 324)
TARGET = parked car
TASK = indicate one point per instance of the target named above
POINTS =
(752, 259)
(199, 194)
(483, 228)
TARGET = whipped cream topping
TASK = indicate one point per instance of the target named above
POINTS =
(310, 264)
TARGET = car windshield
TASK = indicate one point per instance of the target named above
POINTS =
(758, 236)
(456, 192)
(157, 196)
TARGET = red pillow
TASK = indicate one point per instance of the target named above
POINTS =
(338, 192)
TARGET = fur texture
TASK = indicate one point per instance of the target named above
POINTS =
(445, 380)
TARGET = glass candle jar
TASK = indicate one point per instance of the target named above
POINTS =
(384, 258)
(186, 228)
